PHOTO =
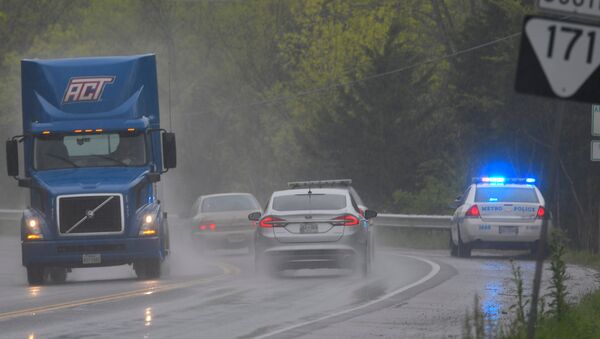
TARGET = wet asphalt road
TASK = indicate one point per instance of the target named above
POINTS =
(220, 297)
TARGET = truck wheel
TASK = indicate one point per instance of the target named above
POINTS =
(147, 269)
(58, 275)
(35, 275)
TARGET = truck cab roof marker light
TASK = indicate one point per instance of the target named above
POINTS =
(46, 132)
(99, 130)
(77, 130)
(131, 129)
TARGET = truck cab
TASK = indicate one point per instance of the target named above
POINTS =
(93, 154)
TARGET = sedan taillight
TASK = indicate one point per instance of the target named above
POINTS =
(346, 220)
(540, 212)
(271, 221)
(473, 212)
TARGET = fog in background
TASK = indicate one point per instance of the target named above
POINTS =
(409, 98)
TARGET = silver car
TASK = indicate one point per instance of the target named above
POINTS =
(221, 220)
(312, 228)
(497, 212)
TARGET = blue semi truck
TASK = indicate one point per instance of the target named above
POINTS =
(93, 154)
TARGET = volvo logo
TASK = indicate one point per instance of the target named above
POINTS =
(90, 214)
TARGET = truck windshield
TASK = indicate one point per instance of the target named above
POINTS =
(90, 150)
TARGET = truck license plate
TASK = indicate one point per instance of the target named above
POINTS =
(508, 229)
(309, 228)
(88, 259)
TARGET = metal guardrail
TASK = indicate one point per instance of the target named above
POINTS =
(413, 221)
(10, 215)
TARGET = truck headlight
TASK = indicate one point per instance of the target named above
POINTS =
(148, 227)
(32, 229)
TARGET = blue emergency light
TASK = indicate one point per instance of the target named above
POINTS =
(502, 180)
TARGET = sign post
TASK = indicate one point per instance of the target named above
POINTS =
(559, 59)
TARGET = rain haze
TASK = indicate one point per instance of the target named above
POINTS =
(299, 169)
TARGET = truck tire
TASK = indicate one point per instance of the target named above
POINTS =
(35, 275)
(58, 275)
(147, 269)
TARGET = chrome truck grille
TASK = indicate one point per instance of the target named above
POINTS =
(90, 214)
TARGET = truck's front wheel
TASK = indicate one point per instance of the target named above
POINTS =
(35, 275)
(147, 269)
(58, 275)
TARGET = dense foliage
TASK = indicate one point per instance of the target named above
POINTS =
(409, 98)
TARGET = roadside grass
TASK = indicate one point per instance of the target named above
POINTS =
(412, 238)
(583, 258)
(560, 320)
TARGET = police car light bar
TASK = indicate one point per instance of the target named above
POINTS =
(320, 183)
(503, 180)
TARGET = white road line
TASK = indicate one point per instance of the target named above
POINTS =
(435, 269)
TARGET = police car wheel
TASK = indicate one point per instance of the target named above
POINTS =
(35, 275)
(453, 248)
(463, 250)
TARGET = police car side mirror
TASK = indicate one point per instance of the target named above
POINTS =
(454, 205)
(254, 216)
(370, 214)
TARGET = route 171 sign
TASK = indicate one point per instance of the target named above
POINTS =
(559, 59)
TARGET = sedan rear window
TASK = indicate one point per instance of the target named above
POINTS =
(300, 202)
(505, 194)
(228, 203)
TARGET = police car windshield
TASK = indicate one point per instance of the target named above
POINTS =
(90, 150)
(506, 194)
(304, 202)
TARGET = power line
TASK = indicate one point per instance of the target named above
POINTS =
(374, 76)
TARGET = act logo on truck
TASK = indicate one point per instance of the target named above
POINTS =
(86, 89)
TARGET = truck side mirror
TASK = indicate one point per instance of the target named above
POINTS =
(169, 150)
(12, 158)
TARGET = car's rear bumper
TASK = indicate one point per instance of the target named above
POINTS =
(477, 230)
(311, 256)
(69, 253)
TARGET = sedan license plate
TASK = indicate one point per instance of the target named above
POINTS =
(88, 259)
(508, 230)
(309, 228)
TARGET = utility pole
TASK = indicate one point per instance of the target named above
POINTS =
(550, 203)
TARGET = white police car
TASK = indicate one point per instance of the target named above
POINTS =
(497, 212)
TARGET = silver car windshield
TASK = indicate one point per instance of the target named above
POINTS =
(299, 202)
(90, 150)
(228, 203)
(506, 194)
